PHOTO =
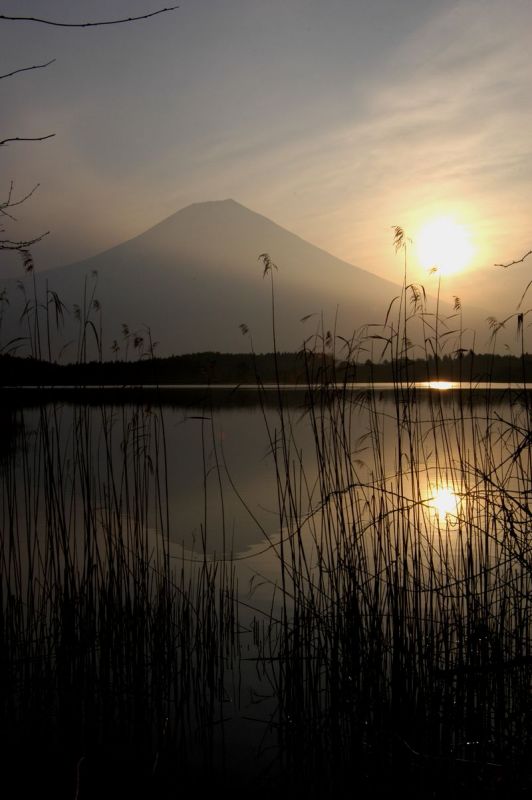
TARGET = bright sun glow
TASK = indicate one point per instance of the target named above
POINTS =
(444, 502)
(441, 386)
(445, 245)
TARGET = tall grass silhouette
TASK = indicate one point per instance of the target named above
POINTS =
(395, 649)
(402, 656)
(113, 655)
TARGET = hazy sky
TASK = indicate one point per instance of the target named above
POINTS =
(336, 119)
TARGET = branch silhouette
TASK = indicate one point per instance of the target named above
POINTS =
(98, 24)
(7, 204)
(26, 139)
(11, 203)
(8, 244)
(27, 69)
(511, 263)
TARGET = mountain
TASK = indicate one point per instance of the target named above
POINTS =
(194, 278)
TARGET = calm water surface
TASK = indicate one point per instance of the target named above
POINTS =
(215, 453)
(224, 477)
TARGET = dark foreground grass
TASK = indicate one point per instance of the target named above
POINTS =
(404, 652)
(395, 654)
(110, 656)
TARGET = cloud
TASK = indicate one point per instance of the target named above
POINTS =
(450, 126)
(440, 119)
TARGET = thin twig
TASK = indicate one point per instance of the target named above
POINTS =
(7, 244)
(27, 139)
(519, 261)
(9, 203)
(27, 69)
(86, 24)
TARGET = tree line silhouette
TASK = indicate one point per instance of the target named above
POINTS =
(240, 368)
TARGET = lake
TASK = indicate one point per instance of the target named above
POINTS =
(263, 576)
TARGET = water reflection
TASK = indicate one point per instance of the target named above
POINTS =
(9, 430)
(441, 386)
(335, 514)
(224, 482)
(445, 504)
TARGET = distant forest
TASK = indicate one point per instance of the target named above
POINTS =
(230, 368)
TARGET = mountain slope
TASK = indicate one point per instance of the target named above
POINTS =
(195, 277)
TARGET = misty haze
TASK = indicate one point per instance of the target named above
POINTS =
(193, 279)
(265, 462)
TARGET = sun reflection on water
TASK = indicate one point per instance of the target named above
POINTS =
(444, 503)
(441, 386)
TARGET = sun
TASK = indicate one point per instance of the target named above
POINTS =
(444, 245)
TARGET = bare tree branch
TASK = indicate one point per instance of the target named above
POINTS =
(27, 69)
(13, 203)
(10, 203)
(86, 24)
(26, 139)
(22, 246)
(8, 244)
(511, 263)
